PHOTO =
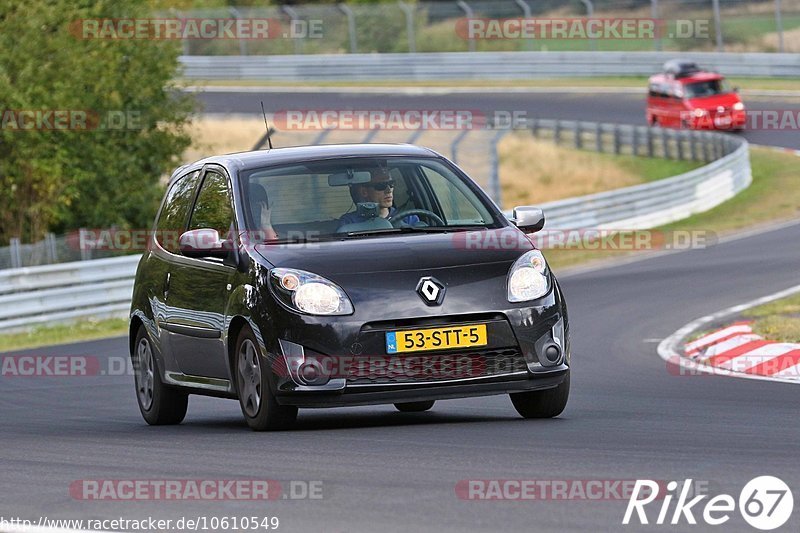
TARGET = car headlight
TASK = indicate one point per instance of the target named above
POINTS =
(529, 278)
(699, 112)
(738, 106)
(309, 293)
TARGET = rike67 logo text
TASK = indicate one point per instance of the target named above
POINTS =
(765, 502)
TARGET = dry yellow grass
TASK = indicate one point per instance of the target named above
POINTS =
(535, 171)
(791, 41)
(213, 135)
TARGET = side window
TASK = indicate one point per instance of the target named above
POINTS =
(213, 208)
(456, 207)
(172, 219)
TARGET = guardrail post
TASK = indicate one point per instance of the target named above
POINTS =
(692, 147)
(293, 16)
(617, 147)
(598, 137)
(50, 247)
(635, 140)
(679, 142)
(321, 136)
(351, 26)
(578, 134)
(534, 127)
(469, 13)
(664, 143)
(242, 43)
(779, 25)
(590, 14)
(409, 13)
(557, 132)
(14, 250)
(526, 12)
(654, 15)
(649, 140)
(371, 135)
(414, 136)
(494, 176)
(86, 251)
(706, 154)
(717, 24)
(454, 145)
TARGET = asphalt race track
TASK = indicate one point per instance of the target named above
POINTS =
(601, 107)
(629, 417)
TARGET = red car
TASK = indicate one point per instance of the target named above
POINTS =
(686, 96)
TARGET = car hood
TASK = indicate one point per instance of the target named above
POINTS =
(712, 102)
(410, 252)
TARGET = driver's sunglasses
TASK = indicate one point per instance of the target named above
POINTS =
(382, 185)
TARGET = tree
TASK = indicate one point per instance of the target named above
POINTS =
(58, 179)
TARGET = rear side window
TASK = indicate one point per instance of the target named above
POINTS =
(213, 207)
(172, 220)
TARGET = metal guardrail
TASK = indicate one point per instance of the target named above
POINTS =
(55, 293)
(440, 66)
(103, 287)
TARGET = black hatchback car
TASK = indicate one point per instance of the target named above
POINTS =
(342, 275)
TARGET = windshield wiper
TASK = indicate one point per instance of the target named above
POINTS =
(444, 229)
(379, 231)
(417, 229)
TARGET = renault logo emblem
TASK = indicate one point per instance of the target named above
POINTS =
(431, 290)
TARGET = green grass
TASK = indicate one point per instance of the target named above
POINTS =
(64, 333)
(778, 328)
(778, 320)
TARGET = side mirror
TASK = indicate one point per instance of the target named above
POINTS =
(204, 242)
(528, 219)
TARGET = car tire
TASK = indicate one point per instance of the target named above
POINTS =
(252, 377)
(159, 404)
(542, 404)
(414, 407)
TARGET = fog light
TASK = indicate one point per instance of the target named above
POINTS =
(311, 373)
(552, 352)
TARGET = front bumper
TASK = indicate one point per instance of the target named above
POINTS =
(528, 349)
(372, 395)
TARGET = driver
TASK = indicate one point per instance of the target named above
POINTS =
(379, 190)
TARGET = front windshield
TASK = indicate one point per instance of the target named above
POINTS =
(359, 197)
(706, 88)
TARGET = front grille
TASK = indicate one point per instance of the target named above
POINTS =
(417, 368)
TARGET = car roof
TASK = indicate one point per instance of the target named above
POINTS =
(700, 76)
(694, 78)
(297, 154)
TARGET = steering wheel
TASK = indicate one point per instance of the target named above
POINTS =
(400, 215)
